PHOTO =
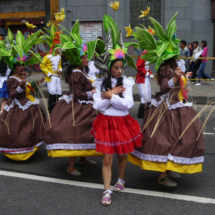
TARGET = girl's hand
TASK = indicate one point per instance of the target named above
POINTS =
(22, 84)
(93, 91)
(107, 94)
(178, 72)
(118, 90)
(189, 74)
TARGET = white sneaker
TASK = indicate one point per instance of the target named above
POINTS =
(198, 84)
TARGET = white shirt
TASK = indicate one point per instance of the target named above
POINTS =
(116, 106)
(93, 71)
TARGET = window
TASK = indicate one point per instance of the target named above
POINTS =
(136, 6)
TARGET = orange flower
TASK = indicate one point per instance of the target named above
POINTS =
(56, 39)
(151, 31)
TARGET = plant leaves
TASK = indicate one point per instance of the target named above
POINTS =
(18, 50)
(109, 23)
(161, 48)
(158, 29)
(75, 33)
(53, 31)
(130, 62)
(162, 58)
(147, 40)
(20, 38)
(68, 45)
(30, 41)
(36, 58)
(92, 45)
(10, 36)
(171, 27)
(135, 45)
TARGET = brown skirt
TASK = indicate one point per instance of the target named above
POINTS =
(67, 133)
(21, 131)
(165, 150)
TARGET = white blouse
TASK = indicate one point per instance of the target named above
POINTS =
(116, 106)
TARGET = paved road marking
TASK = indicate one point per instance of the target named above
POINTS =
(208, 133)
(100, 186)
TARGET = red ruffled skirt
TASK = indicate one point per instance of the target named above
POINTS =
(116, 134)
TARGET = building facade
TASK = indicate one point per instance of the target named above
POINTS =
(194, 20)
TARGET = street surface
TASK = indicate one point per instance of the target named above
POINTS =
(25, 190)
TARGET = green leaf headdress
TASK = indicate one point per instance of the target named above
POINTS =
(113, 48)
(73, 47)
(20, 52)
(164, 48)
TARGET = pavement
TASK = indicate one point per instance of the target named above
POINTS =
(197, 94)
(41, 185)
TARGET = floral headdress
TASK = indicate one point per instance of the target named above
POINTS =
(72, 46)
(21, 51)
(164, 48)
(114, 48)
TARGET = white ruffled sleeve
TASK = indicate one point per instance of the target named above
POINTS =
(127, 102)
(99, 103)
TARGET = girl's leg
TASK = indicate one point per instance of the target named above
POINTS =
(205, 74)
(122, 163)
(165, 180)
(201, 68)
(71, 168)
(106, 170)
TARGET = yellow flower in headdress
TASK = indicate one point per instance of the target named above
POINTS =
(49, 24)
(129, 31)
(30, 35)
(60, 16)
(145, 12)
(30, 25)
(114, 5)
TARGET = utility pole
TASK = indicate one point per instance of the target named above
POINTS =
(47, 10)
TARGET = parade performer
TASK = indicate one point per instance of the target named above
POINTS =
(67, 133)
(51, 66)
(22, 121)
(144, 86)
(5, 50)
(172, 132)
(114, 130)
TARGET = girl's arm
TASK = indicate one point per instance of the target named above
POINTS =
(99, 103)
(127, 102)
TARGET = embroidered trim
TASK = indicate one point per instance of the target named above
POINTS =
(16, 78)
(19, 89)
(170, 83)
(67, 98)
(83, 101)
(23, 107)
(70, 146)
(165, 159)
(166, 97)
(21, 150)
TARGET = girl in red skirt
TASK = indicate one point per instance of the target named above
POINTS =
(114, 130)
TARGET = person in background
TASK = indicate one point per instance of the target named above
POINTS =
(184, 51)
(144, 87)
(204, 63)
(194, 64)
(190, 47)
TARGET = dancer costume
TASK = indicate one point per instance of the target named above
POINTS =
(51, 67)
(169, 142)
(5, 50)
(114, 130)
(67, 133)
(5, 71)
(144, 86)
(22, 121)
